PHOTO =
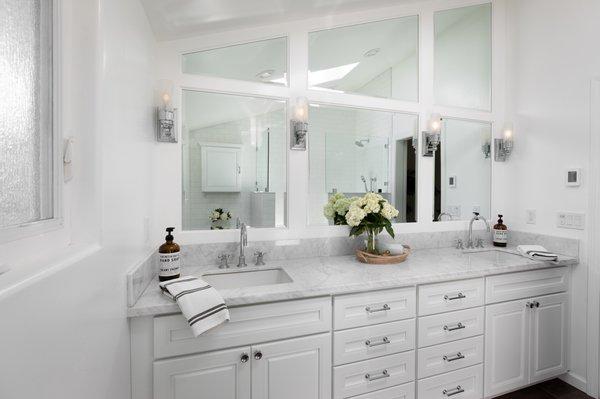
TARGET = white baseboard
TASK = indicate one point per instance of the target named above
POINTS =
(576, 380)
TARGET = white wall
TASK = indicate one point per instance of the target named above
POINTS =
(554, 57)
(64, 332)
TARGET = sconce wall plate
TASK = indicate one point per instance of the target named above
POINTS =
(298, 135)
(502, 150)
(430, 143)
(165, 125)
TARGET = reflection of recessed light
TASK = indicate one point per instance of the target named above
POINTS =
(266, 74)
(371, 52)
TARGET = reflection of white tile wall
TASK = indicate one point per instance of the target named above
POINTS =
(239, 204)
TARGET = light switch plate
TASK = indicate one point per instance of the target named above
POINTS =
(531, 216)
(570, 220)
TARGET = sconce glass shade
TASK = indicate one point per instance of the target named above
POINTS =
(508, 131)
(300, 110)
(435, 123)
(165, 94)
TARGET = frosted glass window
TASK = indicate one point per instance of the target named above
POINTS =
(463, 57)
(378, 59)
(354, 151)
(262, 61)
(26, 190)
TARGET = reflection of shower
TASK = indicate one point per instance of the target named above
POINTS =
(365, 183)
(372, 180)
(361, 143)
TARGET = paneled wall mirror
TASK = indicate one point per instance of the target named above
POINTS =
(377, 59)
(463, 170)
(234, 161)
(354, 151)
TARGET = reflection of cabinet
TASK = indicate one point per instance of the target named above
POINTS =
(221, 168)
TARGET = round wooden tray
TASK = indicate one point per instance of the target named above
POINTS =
(371, 259)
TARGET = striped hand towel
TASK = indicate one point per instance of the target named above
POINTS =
(202, 306)
(536, 252)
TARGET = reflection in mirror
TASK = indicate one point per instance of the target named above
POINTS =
(377, 59)
(463, 170)
(263, 61)
(463, 57)
(353, 151)
(234, 161)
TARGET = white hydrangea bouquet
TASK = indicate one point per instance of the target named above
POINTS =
(217, 217)
(369, 215)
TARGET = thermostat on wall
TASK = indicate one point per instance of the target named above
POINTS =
(573, 178)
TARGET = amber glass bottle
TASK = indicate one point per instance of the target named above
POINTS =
(168, 256)
(500, 233)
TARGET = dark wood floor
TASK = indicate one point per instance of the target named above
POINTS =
(553, 389)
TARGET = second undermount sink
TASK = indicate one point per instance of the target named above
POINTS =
(249, 278)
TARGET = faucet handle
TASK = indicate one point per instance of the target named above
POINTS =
(260, 261)
(479, 243)
(223, 259)
(459, 244)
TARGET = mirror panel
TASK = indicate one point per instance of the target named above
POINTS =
(263, 61)
(353, 151)
(234, 159)
(463, 57)
(463, 168)
(377, 59)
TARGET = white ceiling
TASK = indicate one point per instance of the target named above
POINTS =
(174, 19)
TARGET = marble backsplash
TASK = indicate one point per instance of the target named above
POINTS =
(142, 274)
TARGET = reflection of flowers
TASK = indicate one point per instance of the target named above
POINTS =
(219, 214)
(337, 207)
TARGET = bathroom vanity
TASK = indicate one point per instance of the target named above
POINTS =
(444, 324)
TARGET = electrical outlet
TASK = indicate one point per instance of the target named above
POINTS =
(570, 220)
(531, 216)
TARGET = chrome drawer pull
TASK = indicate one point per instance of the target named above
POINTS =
(460, 295)
(452, 392)
(456, 357)
(384, 341)
(384, 374)
(384, 308)
(458, 326)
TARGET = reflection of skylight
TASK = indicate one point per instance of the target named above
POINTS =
(329, 75)
(281, 81)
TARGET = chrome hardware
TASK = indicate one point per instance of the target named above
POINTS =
(458, 326)
(479, 243)
(454, 358)
(384, 341)
(258, 355)
(530, 305)
(384, 374)
(460, 295)
(384, 308)
(259, 258)
(459, 244)
(470, 243)
(452, 392)
(536, 304)
(244, 358)
(223, 259)
(243, 243)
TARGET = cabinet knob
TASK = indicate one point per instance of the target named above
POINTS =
(244, 358)
(537, 304)
(258, 355)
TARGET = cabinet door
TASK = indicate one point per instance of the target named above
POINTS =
(549, 337)
(221, 169)
(216, 375)
(292, 369)
(506, 346)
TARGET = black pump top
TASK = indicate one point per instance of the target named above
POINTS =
(169, 236)
(500, 218)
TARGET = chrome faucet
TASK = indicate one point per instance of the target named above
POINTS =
(476, 216)
(243, 244)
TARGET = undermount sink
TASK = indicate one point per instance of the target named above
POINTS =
(492, 255)
(249, 278)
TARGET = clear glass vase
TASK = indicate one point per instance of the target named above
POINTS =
(371, 241)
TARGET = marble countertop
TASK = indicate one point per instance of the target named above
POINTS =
(344, 274)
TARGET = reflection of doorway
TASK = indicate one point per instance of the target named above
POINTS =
(405, 179)
(437, 184)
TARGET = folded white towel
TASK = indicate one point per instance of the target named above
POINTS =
(202, 306)
(536, 252)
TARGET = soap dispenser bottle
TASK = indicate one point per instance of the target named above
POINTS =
(168, 256)
(500, 233)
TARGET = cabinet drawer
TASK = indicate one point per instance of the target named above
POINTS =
(357, 310)
(451, 326)
(455, 295)
(450, 356)
(372, 375)
(373, 341)
(248, 325)
(460, 384)
(507, 287)
(405, 391)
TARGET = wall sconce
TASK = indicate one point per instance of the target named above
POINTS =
(299, 125)
(431, 137)
(165, 114)
(504, 146)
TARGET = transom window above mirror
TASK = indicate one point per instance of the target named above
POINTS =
(262, 61)
(355, 151)
(377, 59)
(234, 161)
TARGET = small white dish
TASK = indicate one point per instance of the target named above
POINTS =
(395, 248)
